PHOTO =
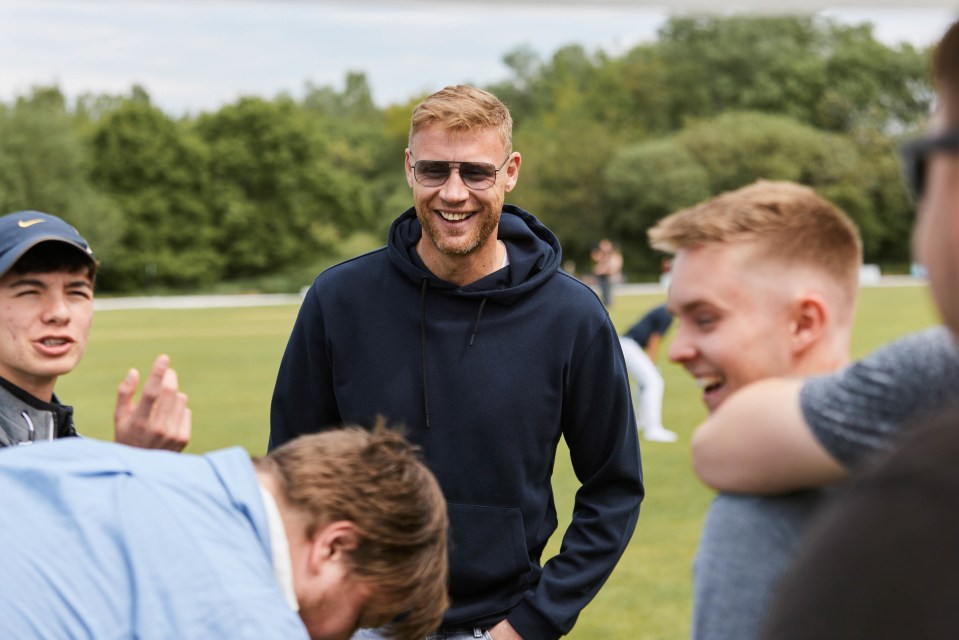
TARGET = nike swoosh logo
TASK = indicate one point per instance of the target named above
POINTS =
(23, 224)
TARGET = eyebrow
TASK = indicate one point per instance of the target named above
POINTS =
(27, 281)
(688, 307)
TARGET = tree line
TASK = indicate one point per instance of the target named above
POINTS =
(610, 143)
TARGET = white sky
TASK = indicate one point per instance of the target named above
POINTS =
(196, 56)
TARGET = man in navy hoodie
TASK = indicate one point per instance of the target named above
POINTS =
(464, 329)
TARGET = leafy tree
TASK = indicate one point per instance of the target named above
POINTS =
(871, 84)
(811, 69)
(43, 166)
(609, 142)
(644, 183)
(738, 148)
(647, 80)
(891, 201)
(361, 140)
(279, 196)
(561, 180)
(157, 174)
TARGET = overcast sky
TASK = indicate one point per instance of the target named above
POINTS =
(196, 56)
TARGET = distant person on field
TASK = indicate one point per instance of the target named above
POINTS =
(641, 349)
(763, 283)
(608, 269)
(881, 561)
(47, 273)
(326, 533)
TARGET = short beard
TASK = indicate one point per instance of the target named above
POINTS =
(488, 227)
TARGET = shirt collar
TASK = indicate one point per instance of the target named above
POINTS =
(280, 547)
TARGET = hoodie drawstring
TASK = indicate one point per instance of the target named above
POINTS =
(426, 391)
(479, 314)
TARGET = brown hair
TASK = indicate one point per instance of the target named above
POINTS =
(53, 255)
(787, 222)
(462, 108)
(946, 72)
(375, 481)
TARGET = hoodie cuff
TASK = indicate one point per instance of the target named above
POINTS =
(530, 624)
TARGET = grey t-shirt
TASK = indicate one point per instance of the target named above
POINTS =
(865, 407)
(747, 542)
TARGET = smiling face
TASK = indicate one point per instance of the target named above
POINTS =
(459, 223)
(734, 319)
(45, 321)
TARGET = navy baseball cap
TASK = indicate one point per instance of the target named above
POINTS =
(23, 230)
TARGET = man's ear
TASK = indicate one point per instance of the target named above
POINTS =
(333, 543)
(512, 170)
(808, 323)
(409, 170)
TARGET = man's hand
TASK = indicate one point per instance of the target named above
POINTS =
(504, 631)
(161, 419)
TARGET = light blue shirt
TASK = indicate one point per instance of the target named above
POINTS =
(100, 540)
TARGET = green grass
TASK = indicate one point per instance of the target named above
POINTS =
(227, 361)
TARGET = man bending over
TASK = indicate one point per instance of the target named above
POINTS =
(326, 533)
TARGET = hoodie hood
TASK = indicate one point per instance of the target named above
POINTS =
(534, 256)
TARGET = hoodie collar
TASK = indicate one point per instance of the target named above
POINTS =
(534, 255)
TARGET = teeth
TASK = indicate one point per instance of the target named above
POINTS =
(454, 217)
(54, 342)
(708, 381)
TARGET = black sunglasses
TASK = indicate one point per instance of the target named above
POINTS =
(475, 175)
(914, 157)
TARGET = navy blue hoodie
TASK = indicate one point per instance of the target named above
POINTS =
(486, 378)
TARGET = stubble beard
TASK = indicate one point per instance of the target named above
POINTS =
(473, 241)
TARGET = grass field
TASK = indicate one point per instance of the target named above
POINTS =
(227, 361)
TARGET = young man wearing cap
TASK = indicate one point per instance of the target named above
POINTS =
(47, 273)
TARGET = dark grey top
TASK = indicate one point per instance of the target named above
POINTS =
(24, 418)
(865, 407)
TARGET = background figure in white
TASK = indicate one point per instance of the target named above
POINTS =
(640, 348)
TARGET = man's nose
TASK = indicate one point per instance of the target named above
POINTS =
(682, 348)
(56, 309)
(454, 189)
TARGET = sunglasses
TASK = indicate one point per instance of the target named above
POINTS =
(914, 156)
(475, 175)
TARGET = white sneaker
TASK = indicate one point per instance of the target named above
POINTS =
(659, 434)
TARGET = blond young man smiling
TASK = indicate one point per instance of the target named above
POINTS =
(763, 282)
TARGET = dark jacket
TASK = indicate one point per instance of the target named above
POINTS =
(486, 378)
(20, 412)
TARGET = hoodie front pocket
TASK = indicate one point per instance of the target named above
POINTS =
(488, 553)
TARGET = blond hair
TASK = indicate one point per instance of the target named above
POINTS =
(374, 480)
(461, 108)
(786, 221)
